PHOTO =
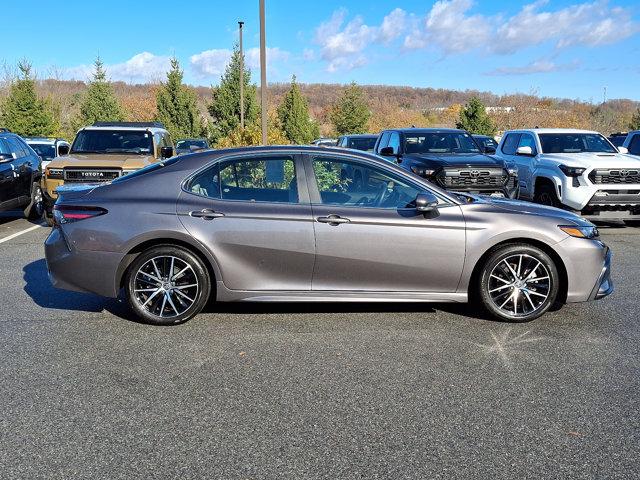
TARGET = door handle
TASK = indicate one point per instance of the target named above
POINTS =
(206, 214)
(333, 220)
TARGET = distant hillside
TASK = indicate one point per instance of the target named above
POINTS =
(390, 105)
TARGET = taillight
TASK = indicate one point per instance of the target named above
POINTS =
(63, 214)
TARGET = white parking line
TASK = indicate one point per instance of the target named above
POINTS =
(22, 232)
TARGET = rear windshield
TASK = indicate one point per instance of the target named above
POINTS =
(574, 143)
(148, 169)
(46, 151)
(440, 142)
(113, 141)
(362, 143)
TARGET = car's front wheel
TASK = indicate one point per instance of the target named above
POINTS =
(167, 285)
(518, 283)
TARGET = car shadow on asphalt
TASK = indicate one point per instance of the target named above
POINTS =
(39, 288)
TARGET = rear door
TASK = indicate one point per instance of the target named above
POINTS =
(370, 238)
(253, 213)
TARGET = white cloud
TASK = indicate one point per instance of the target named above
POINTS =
(141, 68)
(451, 27)
(537, 66)
(274, 55)
(210, 63)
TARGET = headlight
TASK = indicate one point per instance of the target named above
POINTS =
(513, 171)
(571, 171)
(423, 172)
(127, 172)
(55, 173)
(580, 232)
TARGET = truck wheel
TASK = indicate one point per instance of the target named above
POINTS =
(546, 195)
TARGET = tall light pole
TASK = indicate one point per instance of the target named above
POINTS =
(240, 25)
(263, 75)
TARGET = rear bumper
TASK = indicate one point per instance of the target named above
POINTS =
(78, 270)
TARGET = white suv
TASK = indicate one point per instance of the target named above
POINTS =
(574, 169)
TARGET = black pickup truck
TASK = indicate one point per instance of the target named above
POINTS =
(450, 158)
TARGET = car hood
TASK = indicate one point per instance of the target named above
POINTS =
(499, 205)
(459, 160)
(586, 159)
(101, 161)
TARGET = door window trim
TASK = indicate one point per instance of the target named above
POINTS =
(303, 192)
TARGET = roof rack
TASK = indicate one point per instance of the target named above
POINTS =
(129, 124)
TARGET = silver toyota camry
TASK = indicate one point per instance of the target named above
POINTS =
(309, 224)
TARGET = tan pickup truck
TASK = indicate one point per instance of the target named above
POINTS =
(103, 152)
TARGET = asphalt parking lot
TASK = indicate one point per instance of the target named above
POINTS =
(304, 391)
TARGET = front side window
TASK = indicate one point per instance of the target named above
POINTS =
(575, 143)
(113, 141)
(384, 140)
(527, 140)
(17, 147)
(510, 144)
(353, 184)
(440, 142)
(394, 142)
(270, 179)
(634, 145)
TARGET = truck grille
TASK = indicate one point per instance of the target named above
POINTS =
(615, 176)
(472, 178)
(90, 175)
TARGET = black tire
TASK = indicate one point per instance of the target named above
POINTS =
(157, 310)
(498, 284)
(35, 209)
(546, 195)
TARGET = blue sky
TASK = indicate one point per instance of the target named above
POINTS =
(558, 48)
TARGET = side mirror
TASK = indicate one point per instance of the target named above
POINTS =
(489, 149)
(166, 152)
(387, 152)
(63, 150)
(426, 202)
(525, 151)
(623, 149)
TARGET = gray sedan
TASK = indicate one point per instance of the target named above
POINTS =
(290, 224)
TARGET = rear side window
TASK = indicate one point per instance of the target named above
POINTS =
(271, 179)
(634, 145)
(510, 144)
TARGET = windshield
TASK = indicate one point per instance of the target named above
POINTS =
(574, 143)
(48, 152)
(113, 141)
(191, 143)
(440, 142)
(362, 143)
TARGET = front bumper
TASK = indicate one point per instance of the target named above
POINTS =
(613, 204)
(509, 189)
(604, 285)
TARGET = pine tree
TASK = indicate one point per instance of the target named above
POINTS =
(474, 119)
(225, 107)
(634, 124)
(351, 113)
(293, 114)
(23, 112)
(99, 103)
(177, 105)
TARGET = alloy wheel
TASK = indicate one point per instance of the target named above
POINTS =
(166, 286)
(519, 285)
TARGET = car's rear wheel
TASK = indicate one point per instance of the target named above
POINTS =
(36, 206)
(518, 283)
(167, 285)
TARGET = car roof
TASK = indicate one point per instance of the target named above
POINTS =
(132, 129)
(44, 140)
(550, 130)
(361, 135)
(425, 130)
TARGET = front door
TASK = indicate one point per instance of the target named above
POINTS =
(370, 238)
(7, 175)
(253, 213)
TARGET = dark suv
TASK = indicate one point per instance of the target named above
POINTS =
(450, 158)
(20, 175)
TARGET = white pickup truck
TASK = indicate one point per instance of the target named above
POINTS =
(574, 169)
